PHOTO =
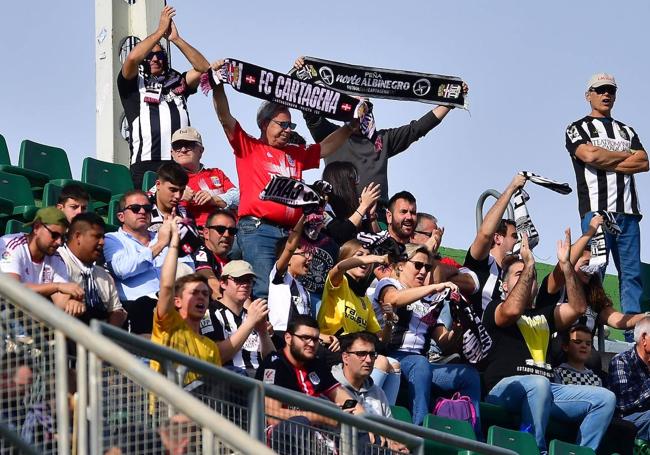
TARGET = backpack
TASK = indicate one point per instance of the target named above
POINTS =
(458, 407)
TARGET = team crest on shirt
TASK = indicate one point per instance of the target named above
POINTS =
(291, 161)
(206, 324)
(269, 376)
(215, 180)
(313, 377)
(573, 133)
(201, 255)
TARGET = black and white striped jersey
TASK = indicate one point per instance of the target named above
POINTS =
(151, 124)
(220, 323)
(489, 278)
(599, 189)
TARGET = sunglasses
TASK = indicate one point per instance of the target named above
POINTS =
(307, 338)
(285, 124)
(160, 55)
(604, 89)
(221, 230)
(428, 234)
(241, 280)
(184, 145)
(135, 208)
(581, 342)
(418, 265)
(55, 235)
(364, 354)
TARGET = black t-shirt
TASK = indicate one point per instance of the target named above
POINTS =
(489, 278)
(324, 251)
(205, 259)
(514, 347)
(315, 379)
(544, 298)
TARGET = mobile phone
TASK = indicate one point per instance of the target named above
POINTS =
(349, 404)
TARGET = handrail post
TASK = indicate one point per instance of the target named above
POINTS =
(256, 420)
(95, 396)
(345, 440)
(61, 380)
(82, 400)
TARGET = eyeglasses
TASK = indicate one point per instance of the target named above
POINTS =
(135, 208)
(285, 124)
(604, 89)
(581, 342)
(55, 235)
(428, 234)
(242, 280)
(418, 265)
(305, 254)
(306, 338)
(160, 55)
(184, 146)
(221, 230)
(364, 354)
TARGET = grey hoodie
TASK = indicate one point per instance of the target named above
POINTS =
(370, 397)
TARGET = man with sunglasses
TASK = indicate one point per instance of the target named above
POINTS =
(154, 95)
(33, 260)
(135, 255)
(263, 223)
(207, 188)
(218, 236)
(606, 153)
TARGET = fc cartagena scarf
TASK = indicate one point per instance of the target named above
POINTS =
(384, 83)
(284, 89)
(523, 221)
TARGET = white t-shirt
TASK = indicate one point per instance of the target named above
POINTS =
(15, 258)
(286, 295)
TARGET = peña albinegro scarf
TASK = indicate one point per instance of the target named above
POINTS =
(291, 92)
(598, 259)
(383, 83)
(523, 222)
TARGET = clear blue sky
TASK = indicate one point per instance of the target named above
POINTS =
(527, 64)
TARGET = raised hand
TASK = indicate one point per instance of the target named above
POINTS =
(369, 196)
(525, 253)
(258, 311)
(595, 221)
(173, 34)
(564, 248)
(299, 63)
(166, 16)
(518, 181)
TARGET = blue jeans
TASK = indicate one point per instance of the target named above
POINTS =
(537, 399)
(423, 377)
(626, 251)
(641, 421)
(257, 242)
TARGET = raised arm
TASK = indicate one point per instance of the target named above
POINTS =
(567, 313)
(165, 303)
(397, 298)
(335, 140)
(480, 248)
(199, 63)
(336, 273)
(555, 280)
(221, 106)
(509, 311)
(142, 49)
(293, 242)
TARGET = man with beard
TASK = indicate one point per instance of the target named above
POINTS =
(494, 240)
(401, 216)
(219, 236)
(84, 246)
(33, 260)
(296, 367)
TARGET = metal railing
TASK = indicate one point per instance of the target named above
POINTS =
(101, 401)
(481, 201)
(242, 400)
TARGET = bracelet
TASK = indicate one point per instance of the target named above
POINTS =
(360, 214)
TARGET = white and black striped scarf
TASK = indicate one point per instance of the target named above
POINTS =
(598, 259)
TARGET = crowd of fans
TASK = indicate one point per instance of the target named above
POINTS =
(215, 272)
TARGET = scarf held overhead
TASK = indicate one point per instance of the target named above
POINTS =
(283, 89)
(384, 83)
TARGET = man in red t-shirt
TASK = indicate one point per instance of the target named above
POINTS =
(207, 189)
(263, 223)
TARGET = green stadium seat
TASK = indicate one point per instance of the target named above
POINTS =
(53, 161)
(36, 179)
(16, 190)
(401, 413)
(564, 448)
(493, 414)
(149, 180)
(456, 427)
(115, 177)
(15, 226)
(517, 441)
(641, 447)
